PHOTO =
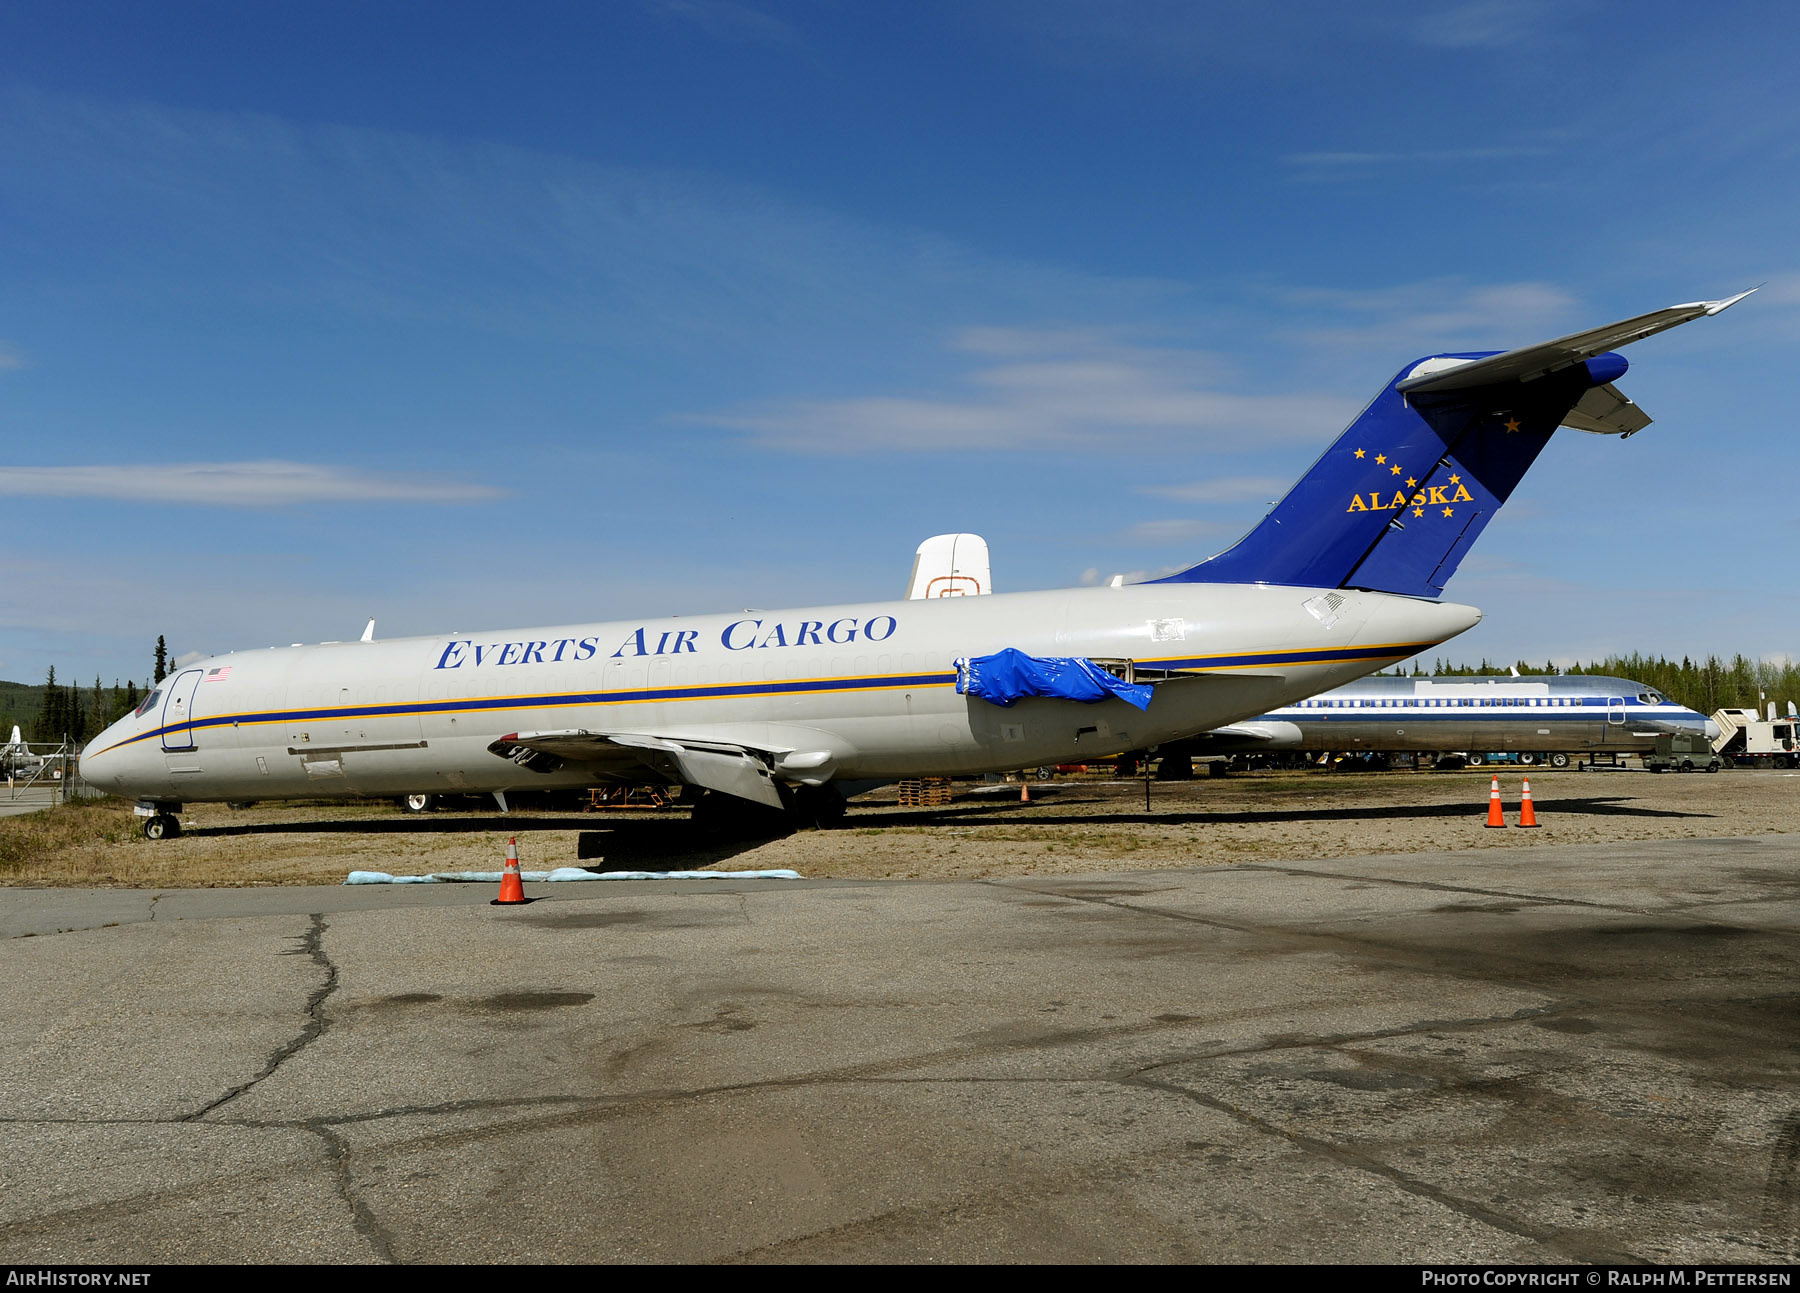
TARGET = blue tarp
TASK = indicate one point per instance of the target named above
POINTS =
(1009, 676)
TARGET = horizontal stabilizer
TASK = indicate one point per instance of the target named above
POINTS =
(1528, 363)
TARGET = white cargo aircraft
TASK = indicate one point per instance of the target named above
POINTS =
(16, 758)
(793, 709)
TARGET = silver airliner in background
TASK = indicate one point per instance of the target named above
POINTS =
(1547, 718)
(792, 709)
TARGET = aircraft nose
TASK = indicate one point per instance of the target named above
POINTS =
(1712, 730)
(97, 771)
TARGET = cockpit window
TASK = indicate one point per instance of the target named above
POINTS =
(1650, 698)
(149, 703)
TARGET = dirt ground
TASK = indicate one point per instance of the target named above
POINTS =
(1070, 826)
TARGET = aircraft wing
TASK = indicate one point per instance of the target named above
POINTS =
(1547, 357)
(727, 767)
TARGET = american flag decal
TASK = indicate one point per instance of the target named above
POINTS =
(218, 675)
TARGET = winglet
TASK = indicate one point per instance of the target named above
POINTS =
(1719, 307)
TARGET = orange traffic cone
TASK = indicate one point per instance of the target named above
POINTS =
(1024, 791)
(1527, 814)
(1494, 815)
(511, 890)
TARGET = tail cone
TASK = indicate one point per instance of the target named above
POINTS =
(1495, 817)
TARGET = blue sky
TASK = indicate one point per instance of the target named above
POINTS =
(465, 316)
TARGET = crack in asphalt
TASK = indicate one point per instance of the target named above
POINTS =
(311, 944)
(1558, 1240)
(361, 1215)
(1440, 887)
(575, 1109)
(580, 1108)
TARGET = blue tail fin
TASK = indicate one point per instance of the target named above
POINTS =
(1395, 504)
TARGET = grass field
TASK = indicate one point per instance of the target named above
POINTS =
(1074, 826)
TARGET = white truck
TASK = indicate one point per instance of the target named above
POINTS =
(1747, 740)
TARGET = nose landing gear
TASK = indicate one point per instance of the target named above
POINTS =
(163, 826)
(161, 821)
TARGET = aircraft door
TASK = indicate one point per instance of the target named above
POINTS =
(1615, 712)
(178, 712)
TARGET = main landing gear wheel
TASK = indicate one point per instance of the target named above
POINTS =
(162, 827)
(1559, 760)
(417, 803)
(815, 807)
(728, 817)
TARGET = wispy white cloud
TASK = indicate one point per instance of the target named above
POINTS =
(1414, 318)
(235, 484)
(1064, 389)
(421, 230)
(1223, 489)
(1155, 532)
(10, 359)
(1320, 165)
(1486, 24)
(724, 20)
(1091, 577)
(1783, 289)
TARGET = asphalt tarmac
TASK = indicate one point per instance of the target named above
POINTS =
(1567, 1053)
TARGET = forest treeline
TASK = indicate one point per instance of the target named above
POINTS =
(50, 710)
(53, 711)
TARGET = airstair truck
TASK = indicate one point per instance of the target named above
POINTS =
(1747, 740)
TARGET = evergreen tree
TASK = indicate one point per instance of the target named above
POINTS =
(50, 716)
(162, 660)
(74, 720)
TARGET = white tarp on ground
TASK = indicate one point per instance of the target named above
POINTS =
(562, 873)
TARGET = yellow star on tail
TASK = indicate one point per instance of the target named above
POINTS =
(1512, 424)
(1456, 480)
(1395, 469)
(1418, 511)
(1381, 457)
(1410, 482)
(1449, 511)
(1359, 453)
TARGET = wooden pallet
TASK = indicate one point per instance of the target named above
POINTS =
(925, 792)
(628, 797)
